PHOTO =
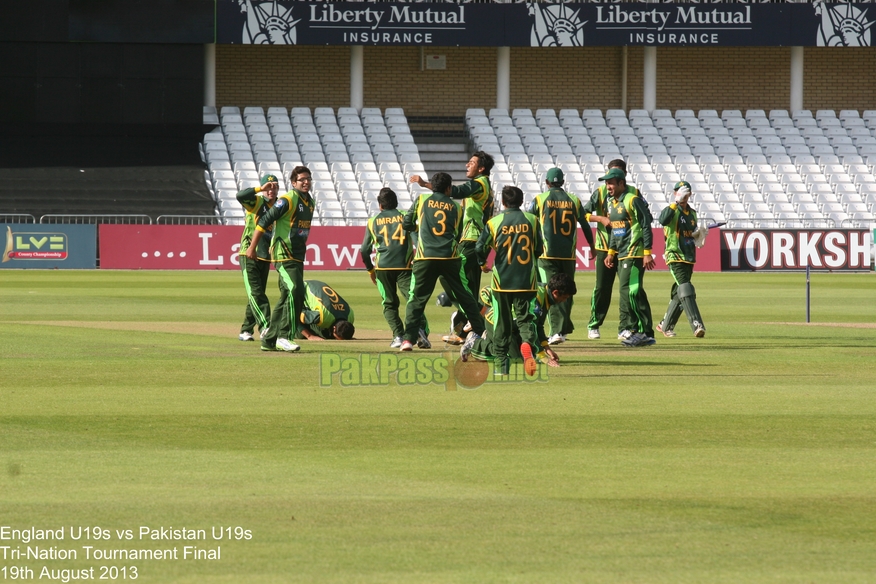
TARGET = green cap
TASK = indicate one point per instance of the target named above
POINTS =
(682, 183)
(555, 176)
(614, 173)
(269, 178)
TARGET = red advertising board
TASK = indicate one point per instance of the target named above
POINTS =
(216, 247)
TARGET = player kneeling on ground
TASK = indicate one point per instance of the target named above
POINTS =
(326, 314)
(683, 236)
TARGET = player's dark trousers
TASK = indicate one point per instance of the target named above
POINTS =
(682, 298)
(284, 320)
(394, 285)
(508, 307)
(600, 301)
(560, 315)
(472, 277)
(258, 308)
(634, 307)
(424, 276)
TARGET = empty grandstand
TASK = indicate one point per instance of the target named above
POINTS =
(757, 169)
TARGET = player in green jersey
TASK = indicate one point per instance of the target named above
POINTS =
(437, 220)
(515, 238)
(290, 217)
(255, 202)
(326, 314)
(476, 195)
(559, 213)
(683, 232)
(600, 301)
(392, 271)
(630, 249)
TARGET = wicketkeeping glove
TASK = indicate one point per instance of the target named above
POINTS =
(681, 193)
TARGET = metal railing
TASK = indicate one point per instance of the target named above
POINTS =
(188, 220)
(17, 218)
(97, 219)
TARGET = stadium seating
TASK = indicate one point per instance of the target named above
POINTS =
(752, 168)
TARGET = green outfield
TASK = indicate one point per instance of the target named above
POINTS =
(128, 404)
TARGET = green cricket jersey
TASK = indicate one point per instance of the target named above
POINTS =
(255, 206)
(437, 219)
(478, 203)
(386, 233)
(630, 226)
(486, 298)
(598, 205)
(515, 237)
(290, 216)
(679, 226)
(323, 307)
(559, 214)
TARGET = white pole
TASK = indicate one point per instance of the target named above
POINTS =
(649, 91)
(796, 78)
(357, 77)
(503, 77)
(624, 60)
(210, 75)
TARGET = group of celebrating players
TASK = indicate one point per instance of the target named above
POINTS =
(448, 235)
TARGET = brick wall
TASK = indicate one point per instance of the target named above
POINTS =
(689, 78)
(268, 76)
(839, 78)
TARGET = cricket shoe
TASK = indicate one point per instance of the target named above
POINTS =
(557, 339)
(423, 340)
(638, 340)
(396, 343)
(406, 346)
(699, 330)
(453, 339)
(467, 346)
(593, 334)
(245, 336)
(666, 332)
(287, 345)
(624, 335)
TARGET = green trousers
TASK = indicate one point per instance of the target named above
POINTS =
(472, 276)
(560, 315)
(285, 320)
(258, 308)
(508, 308)
(682, 298)
(634, 307)
(600, 301)
(424, 276)
(394, 285)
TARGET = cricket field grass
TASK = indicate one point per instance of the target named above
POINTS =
(139, 439)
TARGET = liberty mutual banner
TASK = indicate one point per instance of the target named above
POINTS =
(288, 22)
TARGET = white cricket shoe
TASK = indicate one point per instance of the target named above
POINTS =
(624, 335)
(287, 345)
(557, 339)
(396, 343)
(245, 336)
(593, 334)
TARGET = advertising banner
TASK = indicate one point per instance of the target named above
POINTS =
(49, 247)
(213, 247)
(795, 249)
(216, 247)
(542, 24)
